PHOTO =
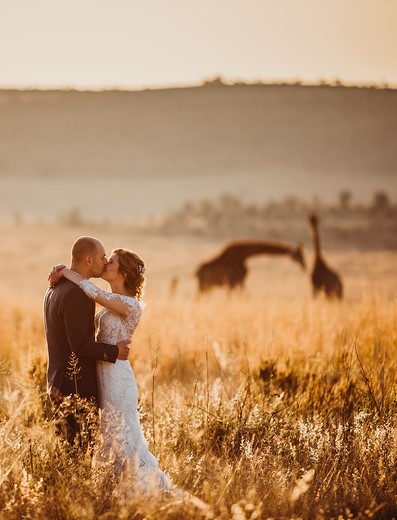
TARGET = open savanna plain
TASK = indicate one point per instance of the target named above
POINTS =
(264, 403)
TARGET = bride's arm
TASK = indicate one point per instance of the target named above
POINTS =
(107, 299)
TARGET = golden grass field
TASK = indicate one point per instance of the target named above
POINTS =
(265, 404)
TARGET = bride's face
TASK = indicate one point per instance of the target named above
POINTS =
(111, 270)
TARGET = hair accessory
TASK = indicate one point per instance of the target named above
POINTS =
(141, 269)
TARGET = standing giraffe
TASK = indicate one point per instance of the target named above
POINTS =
(323, 277)
(229, 269)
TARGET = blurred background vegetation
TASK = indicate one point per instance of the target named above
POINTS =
(345, 224)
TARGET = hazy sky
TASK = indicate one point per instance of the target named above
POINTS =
(139, 43)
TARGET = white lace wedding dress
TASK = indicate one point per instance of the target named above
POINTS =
(118, 397)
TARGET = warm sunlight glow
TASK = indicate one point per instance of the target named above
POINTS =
(133, 44)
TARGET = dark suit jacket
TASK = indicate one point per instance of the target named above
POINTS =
(69, 326)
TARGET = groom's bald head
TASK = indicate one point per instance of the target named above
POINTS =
(85, 246)
(88, 257)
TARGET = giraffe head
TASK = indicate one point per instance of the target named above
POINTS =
(299, 256)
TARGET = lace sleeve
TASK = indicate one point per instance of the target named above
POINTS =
(133, 312)
(93, 292)
(135, 307)
(120, 303)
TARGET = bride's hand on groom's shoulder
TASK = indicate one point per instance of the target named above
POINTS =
(55, 274)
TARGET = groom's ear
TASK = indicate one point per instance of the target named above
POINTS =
(88, 261)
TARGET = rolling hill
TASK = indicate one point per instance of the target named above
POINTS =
(275, 139)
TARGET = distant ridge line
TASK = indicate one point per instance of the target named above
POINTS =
(217, 82)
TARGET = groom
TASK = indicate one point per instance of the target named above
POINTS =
(70, 332)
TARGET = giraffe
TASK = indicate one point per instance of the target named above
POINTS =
(229, 268)
(323, 277)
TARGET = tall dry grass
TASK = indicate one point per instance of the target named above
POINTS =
(281, 409)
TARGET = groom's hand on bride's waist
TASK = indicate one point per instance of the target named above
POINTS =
(124, 349)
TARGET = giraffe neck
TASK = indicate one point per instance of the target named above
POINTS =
(316, 241)
(246, 249)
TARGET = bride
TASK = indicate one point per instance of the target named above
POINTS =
(123, 438)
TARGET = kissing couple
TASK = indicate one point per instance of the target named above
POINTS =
(97, 349)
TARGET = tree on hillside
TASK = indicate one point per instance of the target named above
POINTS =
(381, 201)
(345, 199)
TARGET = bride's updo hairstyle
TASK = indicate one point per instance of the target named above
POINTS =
(132, 267)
